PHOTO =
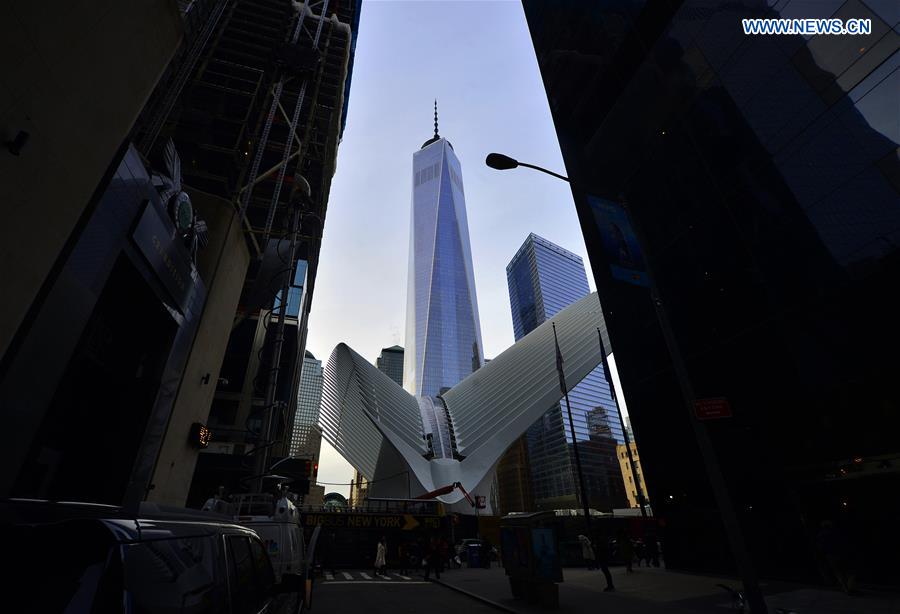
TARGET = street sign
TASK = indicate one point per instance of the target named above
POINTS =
(346, 520)
(712, 409)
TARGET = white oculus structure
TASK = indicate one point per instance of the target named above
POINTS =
(414, 445)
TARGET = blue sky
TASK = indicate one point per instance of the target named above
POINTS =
(477, 59)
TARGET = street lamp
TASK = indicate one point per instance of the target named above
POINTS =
(504, 163)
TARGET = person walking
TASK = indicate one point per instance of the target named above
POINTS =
(626, 549)
(602, 561)
(403, 557)
(652, 550)
(836, 550)
(327, 550)
(487, 551)
(432, 559)
(380, 553)
(587, 551)
(640, 551)
(443, 554)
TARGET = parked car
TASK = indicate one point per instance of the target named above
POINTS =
(97, 559)
(462, 547)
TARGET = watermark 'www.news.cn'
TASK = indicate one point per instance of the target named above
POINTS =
(808, 27)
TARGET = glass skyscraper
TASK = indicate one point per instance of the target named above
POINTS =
(306, 439)
(390, 362)
(443, 334)
(543, 279)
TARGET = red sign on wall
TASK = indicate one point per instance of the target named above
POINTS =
(710, 409)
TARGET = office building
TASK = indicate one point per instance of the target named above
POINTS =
(543, 279)
(359, 490)
(514, 490)
(306, 440)
(261, 118)
(390, 362)
(443, 334)
(88, 254)
(750, 183)
(633, 484)
(175, 205)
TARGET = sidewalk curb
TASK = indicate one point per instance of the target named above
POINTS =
(493, 604)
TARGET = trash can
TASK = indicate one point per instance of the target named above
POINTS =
(473, 555)
(530, 555)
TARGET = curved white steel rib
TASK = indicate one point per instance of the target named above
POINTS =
(363, 410)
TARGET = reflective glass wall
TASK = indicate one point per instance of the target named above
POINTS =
(305, 439)
(543, 280)
(443, 334)
(756, 181)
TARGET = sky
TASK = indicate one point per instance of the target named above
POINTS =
(477, 60)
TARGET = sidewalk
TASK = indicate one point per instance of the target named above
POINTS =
(657, 591)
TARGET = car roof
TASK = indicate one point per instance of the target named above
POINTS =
(153, 523)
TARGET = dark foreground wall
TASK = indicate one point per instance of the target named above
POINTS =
(756, 181)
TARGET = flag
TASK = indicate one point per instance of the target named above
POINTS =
(559, 363)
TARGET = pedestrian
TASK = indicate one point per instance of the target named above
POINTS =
(444, 552)
(487, 551)
(403, 557)
(380, 553)
(640, 551)
(626, 549)
(587, 551)
(327, 548)
(432, 562)
(602, 561)
(652, 546)
(835, 548)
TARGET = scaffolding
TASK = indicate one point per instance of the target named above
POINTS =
(253, 100)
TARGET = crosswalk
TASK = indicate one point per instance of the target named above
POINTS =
(362, 576)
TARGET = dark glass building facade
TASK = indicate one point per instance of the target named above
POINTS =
(754, 183)
(443, 333)
(543, 279)
(306, 438)
(390, 362)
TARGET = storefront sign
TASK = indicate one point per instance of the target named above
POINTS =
(340, 520)
(711, 409)
(154, 236)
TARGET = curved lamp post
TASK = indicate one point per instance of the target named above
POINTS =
(501, 162)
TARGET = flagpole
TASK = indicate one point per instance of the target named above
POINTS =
(565, 391)
(612, 390)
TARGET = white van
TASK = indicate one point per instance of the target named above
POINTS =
(280, 532)
(284, 543)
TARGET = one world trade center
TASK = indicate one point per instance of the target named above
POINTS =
(443, 334)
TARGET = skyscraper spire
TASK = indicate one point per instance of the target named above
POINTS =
(436, 135)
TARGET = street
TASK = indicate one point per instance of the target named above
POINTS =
(646, 591)
(364, 591)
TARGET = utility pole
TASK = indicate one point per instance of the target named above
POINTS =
(612, 390)
(565, 391)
